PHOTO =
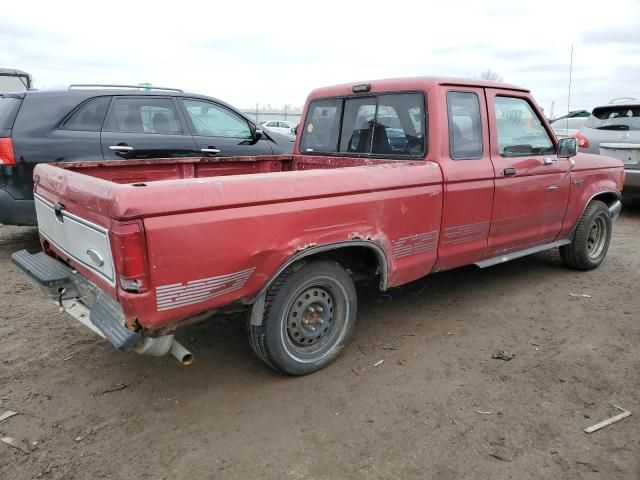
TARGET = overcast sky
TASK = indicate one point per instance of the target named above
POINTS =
(275, 52)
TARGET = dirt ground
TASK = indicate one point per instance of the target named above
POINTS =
(87, 411)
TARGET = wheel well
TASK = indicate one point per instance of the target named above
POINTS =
(363, 263)
(606, 197)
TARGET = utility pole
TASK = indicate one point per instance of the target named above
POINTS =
(257, 117)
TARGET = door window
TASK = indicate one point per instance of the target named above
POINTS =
(520, 131)
(143, 115)
(89, 116)
(211, 120)
(465, 125)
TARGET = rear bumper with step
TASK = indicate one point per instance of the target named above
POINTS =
(80, 298)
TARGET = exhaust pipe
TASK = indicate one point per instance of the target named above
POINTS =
(184, 356)
(160, 346)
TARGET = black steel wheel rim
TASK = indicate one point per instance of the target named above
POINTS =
(315, 319)
(597, 236)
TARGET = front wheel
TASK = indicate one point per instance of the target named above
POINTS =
(591, 239)
(309, 316)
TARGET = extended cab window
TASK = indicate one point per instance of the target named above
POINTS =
(390, 124)
(89, 116)
(520, 131)
(143, 115)
(465, 127)
(211, 120)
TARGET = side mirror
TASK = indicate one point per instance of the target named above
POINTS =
(567, 147)
(257, 135)
(294, 130)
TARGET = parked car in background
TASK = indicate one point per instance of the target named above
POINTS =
(280, 126)
(614, 130)
(13, 80)
(567, 127)
(110, 122)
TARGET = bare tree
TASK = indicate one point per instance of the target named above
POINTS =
(489, 74)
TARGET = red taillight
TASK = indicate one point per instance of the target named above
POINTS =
(7, 156)
(582, 140)
(130, 255)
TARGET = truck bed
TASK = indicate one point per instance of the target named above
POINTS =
(153, 170)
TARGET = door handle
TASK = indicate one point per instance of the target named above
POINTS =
(210, 150)
(509, 172)
(121, 148)
(549, 160)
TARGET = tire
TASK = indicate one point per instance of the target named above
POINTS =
(591, 238)
(309, 316)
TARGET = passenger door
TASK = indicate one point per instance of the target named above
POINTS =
(465, 159)
(145, 127)
(531, 182)
(218, 131)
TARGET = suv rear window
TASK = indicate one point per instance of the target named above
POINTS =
(89, 116)
(8, 109)
(616, 117)
(387, 124)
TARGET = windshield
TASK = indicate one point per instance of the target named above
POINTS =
(615, 118)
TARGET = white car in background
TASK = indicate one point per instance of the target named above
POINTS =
(567, 127)
(279, 126)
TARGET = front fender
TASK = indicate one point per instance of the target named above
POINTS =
(585, 186)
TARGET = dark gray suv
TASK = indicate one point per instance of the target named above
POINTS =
(110, 122)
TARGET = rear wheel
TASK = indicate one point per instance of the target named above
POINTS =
(591, 239)
(310, 314)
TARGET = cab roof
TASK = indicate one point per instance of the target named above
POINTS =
(409, 83)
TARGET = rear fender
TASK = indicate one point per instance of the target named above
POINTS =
(257, 308)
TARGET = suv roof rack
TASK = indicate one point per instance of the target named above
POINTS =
(614, 101)
(78, 86)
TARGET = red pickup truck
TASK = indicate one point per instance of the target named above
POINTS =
(390, 180)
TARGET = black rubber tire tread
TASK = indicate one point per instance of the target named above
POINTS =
(575, 254)
(258, 334)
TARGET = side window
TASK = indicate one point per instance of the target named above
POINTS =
(465, 125)
(321, 126)
(89, 116)
(211, 120)
(520, 131)
(143, 115)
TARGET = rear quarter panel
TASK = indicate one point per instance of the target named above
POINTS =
(201, 260)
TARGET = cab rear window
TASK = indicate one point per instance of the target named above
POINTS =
(615, 118)
(386, 124)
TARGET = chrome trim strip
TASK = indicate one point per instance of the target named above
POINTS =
(520, 253)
